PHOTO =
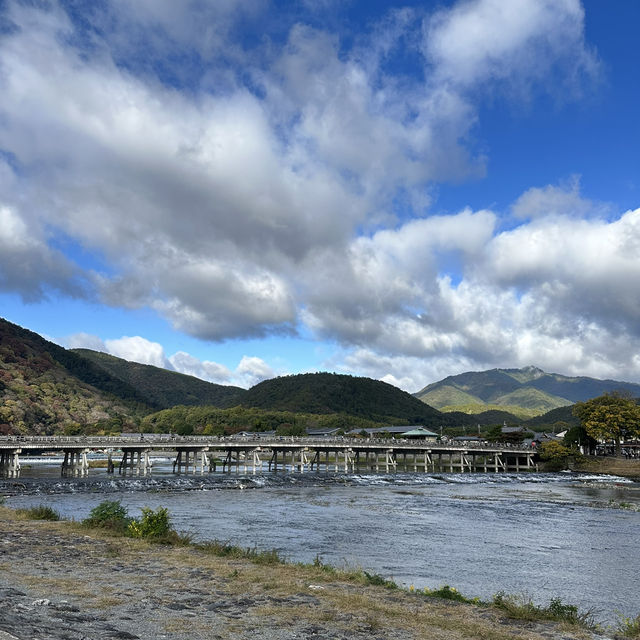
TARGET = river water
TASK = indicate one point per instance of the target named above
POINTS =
(541, 535)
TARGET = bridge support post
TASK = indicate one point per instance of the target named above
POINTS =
(256, 460)
(75, 463)
(10, 463)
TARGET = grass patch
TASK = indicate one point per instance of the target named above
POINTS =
(522, 607)
(255, 555)
(41, 512)
(154, 526)
(450, 593)
(375, 580)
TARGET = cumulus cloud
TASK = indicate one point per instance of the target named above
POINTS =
(256, 189)
(249, 371)
(204, 369)
(28, 265)
(514, 42)
(138, 349)
(84, 341)
(557, 200)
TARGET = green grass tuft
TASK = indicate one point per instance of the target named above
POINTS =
(41, 512)
(630, 627)
(255, 555)
(522, 607)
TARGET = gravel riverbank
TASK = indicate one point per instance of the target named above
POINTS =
(59, 582)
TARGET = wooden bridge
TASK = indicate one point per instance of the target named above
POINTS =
(250, 455)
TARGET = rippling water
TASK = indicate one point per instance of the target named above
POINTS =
(546, 535)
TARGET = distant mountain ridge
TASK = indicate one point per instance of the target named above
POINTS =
(164, 388)
(45, 388)
(530, 390)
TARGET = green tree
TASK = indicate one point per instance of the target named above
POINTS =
(577, 436)
(611, 416)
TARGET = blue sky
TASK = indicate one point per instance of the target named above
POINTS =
(238, 189)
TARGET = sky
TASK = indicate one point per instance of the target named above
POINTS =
(240, 189)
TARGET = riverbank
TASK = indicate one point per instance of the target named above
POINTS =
(611, 465)
(60, 581)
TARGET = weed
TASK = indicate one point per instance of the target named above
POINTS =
(629, 627)
(153, 524)
(523, 608)
(326, 568)
(226, 550)
(41, 512)
(449, 593)
(378, 580)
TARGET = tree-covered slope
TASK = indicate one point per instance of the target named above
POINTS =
(44, 388)
(165, 388)
(324, 393)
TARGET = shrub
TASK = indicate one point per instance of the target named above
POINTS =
(41, 512)
(630, 627)
(109, 514)
(153, 524)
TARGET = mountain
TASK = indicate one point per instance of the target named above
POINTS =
(45, 388)
(526, 392)
(164, 388)
(325, 393)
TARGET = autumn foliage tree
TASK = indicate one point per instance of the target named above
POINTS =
(611, 416)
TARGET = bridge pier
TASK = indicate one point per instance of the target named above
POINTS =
(10, 463)
(75, 463)
(134, 461)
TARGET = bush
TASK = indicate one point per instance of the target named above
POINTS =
(109, 514)
(41, 512)
(630, 627)
(153, 524)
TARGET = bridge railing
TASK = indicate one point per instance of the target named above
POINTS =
(272, 441)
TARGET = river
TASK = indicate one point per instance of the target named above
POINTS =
(542, 535)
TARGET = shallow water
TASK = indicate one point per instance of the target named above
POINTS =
(546, 535)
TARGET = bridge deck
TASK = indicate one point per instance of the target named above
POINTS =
(341, 454)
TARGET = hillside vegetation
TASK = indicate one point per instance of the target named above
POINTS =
(164, 388)
(327, 393)
(46, 389)
(525, 392)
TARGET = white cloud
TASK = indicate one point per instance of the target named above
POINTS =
(249, 371)
(252, 370)
(85, 341)
(515, 41)
(551, 200)
(204, 369)
(138, 349)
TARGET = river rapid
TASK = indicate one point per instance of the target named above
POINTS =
(573, 536)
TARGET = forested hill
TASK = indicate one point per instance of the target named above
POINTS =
(522, 391)
(324, 393)
(165, 388)
(45, 388)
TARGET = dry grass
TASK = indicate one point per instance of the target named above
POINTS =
(612, 466)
